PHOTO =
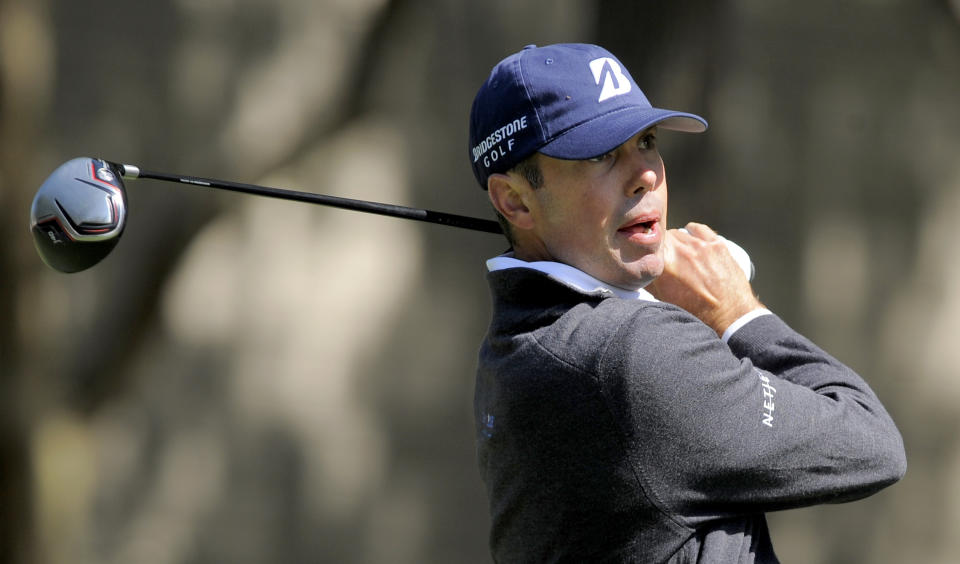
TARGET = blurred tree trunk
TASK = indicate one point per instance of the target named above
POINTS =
(25, 73)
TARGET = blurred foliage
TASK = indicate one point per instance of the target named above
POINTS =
(247, 380)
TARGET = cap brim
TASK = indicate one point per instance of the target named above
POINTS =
(605, 133)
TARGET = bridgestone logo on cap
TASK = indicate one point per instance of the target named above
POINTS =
(492, 141)
(615, 82)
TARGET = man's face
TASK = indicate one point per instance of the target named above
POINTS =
(605, 216)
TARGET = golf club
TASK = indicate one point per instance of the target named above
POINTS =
(80, 210)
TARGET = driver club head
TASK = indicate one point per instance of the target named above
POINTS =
(78, 214)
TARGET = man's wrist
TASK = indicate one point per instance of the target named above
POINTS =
(743, 320)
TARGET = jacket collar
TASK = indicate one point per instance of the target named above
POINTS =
(569, 276)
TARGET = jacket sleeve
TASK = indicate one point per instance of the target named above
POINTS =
(764, 422)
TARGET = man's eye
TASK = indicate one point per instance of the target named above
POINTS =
(648, 141)
(600, 158)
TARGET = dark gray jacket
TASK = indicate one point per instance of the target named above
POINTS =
(612, 430)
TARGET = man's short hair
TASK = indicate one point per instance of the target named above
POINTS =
(529, 169)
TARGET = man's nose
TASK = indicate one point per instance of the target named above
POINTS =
(645, 174)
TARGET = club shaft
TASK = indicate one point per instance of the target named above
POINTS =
(452, 220)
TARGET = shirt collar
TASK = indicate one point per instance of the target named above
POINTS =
(568, 275)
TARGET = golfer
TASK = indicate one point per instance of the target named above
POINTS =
(635, 402)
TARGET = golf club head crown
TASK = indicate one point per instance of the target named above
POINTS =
(78, 214)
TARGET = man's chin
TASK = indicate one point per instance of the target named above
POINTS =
(646, 270)
(637, 280)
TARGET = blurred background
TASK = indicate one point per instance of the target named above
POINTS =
(247, 380)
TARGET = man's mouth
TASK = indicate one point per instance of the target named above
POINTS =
(643, 228)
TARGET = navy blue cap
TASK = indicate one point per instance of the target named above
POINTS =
(568, 101)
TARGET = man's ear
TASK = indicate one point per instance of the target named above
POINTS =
(507, 197)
